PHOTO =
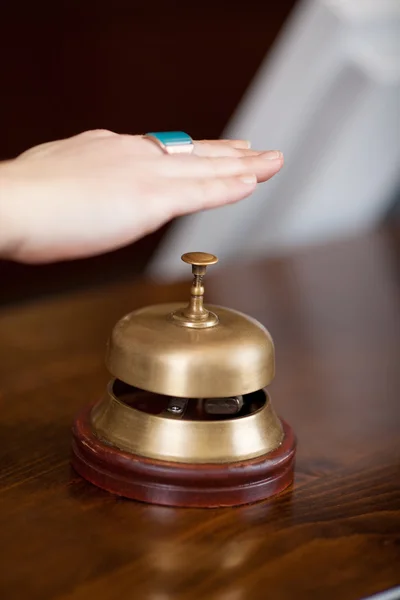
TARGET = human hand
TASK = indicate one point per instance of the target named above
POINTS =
(98, 191)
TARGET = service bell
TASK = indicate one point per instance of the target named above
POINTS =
(186, 420)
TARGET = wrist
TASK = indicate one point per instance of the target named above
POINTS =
(9, 186)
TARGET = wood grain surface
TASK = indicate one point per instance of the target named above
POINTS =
(334, 314)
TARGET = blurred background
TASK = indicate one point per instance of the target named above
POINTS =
(317, 79)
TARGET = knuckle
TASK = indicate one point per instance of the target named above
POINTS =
(94, 134)
(214, 189)
(230, 151)
(99, 133)
(235, 152)
(224, 166)
(212, 165)
(127, 142)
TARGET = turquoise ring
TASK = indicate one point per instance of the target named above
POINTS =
(172, 142)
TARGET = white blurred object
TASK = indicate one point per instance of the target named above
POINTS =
(328, 96)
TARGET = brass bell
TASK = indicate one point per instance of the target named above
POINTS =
(186, 420)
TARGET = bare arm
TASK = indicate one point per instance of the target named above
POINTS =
(98, 191)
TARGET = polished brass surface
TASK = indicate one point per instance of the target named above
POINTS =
(148, 351)
(192, 351)
(199, 259)
(195, 315)
(186, 441)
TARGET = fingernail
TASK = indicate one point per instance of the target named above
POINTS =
(248, 179)
(272, 155)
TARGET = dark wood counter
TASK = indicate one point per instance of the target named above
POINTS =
(334, 314)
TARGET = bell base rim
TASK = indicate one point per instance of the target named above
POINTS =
(181, 484)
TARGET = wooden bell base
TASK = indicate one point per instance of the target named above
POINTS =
(181, 484)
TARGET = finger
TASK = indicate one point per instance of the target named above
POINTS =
(94, 133)
(147, 147)
(263, 166)
(243, 144)
(191, 195)
(219, 148)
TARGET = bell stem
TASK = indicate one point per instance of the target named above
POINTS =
(196, 308)
(195, 315)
